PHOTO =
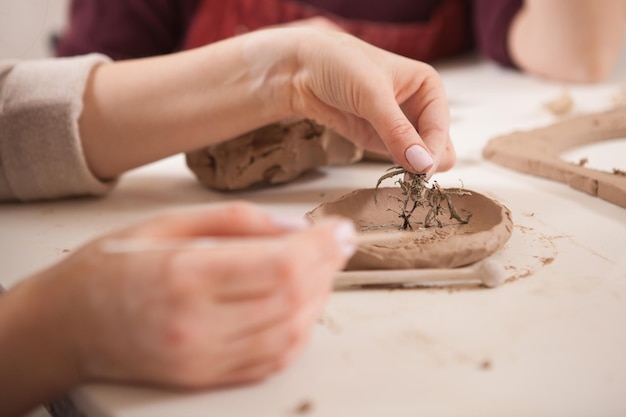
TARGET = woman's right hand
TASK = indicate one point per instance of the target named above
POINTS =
(140, 111)
(382, 101)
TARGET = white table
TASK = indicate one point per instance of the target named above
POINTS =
(550, 343)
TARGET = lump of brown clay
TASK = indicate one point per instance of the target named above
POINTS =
(273, 154)
(370, 156)
(537, 152)
(449, 246)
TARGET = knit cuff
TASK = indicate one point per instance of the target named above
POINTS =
(40, 149)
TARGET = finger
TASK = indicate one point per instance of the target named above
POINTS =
(302, 269)
(230, 273)
(255, 315)
(237, 274)
(348, 125)
(274, 342)
(306, 280)
(266, 345)
(249, 373)
(403, 143)
(250, 316)
(418, 150)
(278, 343)
(218, 220)
(299, 328)
(429, 108)
(310, 317)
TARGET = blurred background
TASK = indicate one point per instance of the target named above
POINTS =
(28, 29)
(28, 26)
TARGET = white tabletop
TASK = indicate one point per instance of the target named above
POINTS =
(552, 342)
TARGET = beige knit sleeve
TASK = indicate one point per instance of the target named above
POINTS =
(40, 150)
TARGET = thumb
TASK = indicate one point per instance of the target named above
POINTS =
(330, 241)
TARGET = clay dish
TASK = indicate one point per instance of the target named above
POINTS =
(450, 246)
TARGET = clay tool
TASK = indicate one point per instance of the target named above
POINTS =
(124, 245)
(487, 272)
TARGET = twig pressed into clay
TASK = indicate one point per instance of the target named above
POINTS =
(454, 245)
(417, 193)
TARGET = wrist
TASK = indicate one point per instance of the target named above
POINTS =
(271, 57)
(34, 355)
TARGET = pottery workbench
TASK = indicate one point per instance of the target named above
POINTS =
(549, 342)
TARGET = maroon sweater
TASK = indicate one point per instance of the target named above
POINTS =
(426, 29)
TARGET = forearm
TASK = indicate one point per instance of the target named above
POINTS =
(136, 112)
(33, 365)
(571, 40)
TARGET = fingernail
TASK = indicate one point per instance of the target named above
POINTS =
(290, 223)
(345, 234)
(419, 158)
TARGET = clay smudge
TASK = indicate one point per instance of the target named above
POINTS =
(304, 407)
(331, 324)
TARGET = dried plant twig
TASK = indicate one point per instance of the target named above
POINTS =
(416, 193)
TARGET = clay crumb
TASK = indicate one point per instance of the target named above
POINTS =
(328, 322)
(523, 229)
(485, 365)
(546, 261)
(304, 407)
(619, 172)
(583, 162)
(525, 274)
(561, 105)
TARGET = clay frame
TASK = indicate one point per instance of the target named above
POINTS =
(537, 152)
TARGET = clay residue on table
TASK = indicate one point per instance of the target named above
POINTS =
(273, 154)
(304, 407)
(449, 246)
(538, 151)
(562, 105)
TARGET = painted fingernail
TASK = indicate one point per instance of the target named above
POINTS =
(345, 234)
(290, 223)
(419, 158)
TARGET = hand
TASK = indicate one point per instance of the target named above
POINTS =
(181, 317)
(136, 112)
(382, 101)
(203, 317)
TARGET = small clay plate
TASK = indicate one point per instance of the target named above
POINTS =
(450, 246)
